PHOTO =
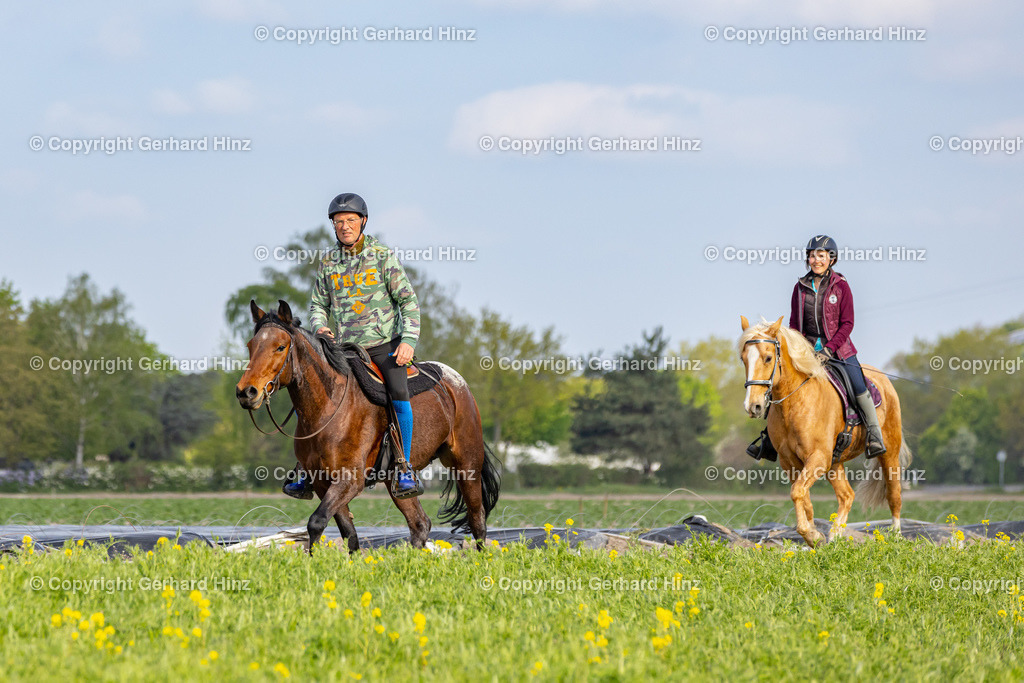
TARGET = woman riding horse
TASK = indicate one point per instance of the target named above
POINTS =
(364, 290)
(822, 310)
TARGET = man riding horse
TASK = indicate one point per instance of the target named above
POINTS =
(362, 295)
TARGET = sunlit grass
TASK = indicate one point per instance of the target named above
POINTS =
(887, 609)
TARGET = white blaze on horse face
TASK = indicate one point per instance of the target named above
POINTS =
(752, 357)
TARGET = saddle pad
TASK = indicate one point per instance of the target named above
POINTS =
(429, 375)
(849, 410)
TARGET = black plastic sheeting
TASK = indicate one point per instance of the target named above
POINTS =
(119, 539)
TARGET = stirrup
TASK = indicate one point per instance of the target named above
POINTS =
(406, 485)
(873, 449)
(763, 450)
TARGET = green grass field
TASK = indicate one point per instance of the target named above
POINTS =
(512, 511)
(510, 613)
(517, 614)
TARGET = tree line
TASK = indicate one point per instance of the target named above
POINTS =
(662, 422)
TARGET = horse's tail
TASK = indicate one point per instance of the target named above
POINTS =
(455, 510)
(871, 491)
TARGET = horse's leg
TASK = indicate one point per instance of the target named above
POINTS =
(417, 519)
(469, 453)
(335, 500)
(800, 492)
(891, 469)
(844, 496)
(344, 520)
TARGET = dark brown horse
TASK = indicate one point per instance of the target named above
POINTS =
(340, 431)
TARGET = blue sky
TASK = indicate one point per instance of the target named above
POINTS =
(814, 136)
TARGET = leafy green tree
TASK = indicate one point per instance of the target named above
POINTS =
(720, 367)
(232, 439)
(975, 414)
(293, 283)
(640, 416)
(938, 413)
(99, 408)
(510, 399)
(25, 411)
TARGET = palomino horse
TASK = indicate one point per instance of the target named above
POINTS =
(806, 417)
(339, 431)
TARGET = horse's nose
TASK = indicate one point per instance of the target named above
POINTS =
(755, 409)
(246, 395)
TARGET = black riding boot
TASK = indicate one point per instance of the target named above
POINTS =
(875, 445)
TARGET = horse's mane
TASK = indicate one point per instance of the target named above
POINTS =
(336, 354)
(801, 353)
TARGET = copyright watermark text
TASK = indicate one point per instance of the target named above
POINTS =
(784, 35)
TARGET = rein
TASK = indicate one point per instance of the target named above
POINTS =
(770, 382)
(271, 387)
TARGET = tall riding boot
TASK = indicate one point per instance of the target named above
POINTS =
(875, 445)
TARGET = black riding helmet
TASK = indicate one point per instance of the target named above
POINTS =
(347, 202)
(823, 242)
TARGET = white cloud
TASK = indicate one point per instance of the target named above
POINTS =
(215, 96)
(121, 208)
(767, 14)
(241, 10)
(346, 115)
(119, 37)
(226, 96)
(166, 101)
(18, 181)
(66, 119)
(776, 129)
(970, 59)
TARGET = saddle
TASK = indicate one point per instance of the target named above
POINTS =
(423, 375)
(840, 380)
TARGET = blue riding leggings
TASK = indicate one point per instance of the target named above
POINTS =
(853, 369)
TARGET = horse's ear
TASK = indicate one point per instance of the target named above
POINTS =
(257, 313)
(774, 329)
(744, 322)
(284, 311)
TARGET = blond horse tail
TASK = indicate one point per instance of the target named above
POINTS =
(871, 491)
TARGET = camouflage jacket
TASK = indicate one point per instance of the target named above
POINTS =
(364, 296)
